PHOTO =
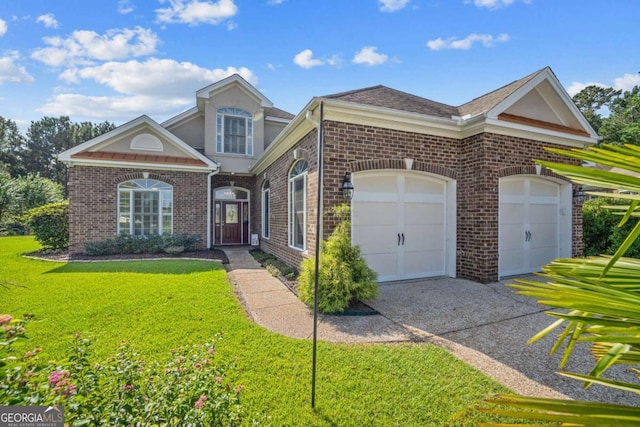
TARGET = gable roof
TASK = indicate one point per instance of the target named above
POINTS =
(486, 102)
(206, 92)
(92, 151)
(382, 96)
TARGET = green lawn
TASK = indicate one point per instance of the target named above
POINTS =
(160, 305)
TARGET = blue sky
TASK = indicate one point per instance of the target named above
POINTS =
(115, 60)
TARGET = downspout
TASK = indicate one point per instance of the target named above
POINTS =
(215, 172)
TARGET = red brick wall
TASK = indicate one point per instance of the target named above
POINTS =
(93, 196)
(476, 163)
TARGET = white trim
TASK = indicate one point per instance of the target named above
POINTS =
(185, 116)
(137, 165)
(262, 215)
(290, 181)
(139, 123)
(146, 142)
(276, 119)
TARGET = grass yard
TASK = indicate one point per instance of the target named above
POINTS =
(160, 305)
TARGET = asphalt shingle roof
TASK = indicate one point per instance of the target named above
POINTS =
(382, 96)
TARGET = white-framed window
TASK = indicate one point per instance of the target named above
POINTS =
(266, 208)
(145, 208)
(298, 205)
(234, 131)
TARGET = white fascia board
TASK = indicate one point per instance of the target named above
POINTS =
(343, 111)
(535, 133)
(185, 116)
(277, 119)
(138, 165)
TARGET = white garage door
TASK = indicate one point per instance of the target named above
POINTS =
(400, 223)
(529, 220)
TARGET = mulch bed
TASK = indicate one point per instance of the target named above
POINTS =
(63, 256)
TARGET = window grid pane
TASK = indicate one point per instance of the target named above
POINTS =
(145, 207)
(265, 212)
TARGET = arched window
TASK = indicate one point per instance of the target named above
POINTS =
(234, 131)
(266, 208)
(145, 208)
(298, 205)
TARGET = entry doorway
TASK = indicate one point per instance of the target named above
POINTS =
(231, 225)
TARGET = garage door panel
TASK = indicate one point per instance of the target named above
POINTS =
(374, 213)
(425, 213)
(383, 183)
(544, 214)
(424, 238)
(386, 265)
(375, 238)
(424, 264)
(413, 185)
(511, 237)
(389, 204)
(529, 224)
(511, 213)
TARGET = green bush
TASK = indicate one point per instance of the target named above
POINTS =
(49, 224)
(344, 276)
(124, 390)
(125, 244)
(601, 234)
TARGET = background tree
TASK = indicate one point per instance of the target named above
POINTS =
(623, 124)
(11, 145)
(48, 137)
(592, 99)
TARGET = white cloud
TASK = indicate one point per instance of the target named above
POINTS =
(125, 7)
(48, 20)
(85, 47)
(305, 59)
(493, 4)
(487, 40)
(3, 27)
(369, 56)
(10, 72)
(159, 77)
(275, 2)
(334, 60)
(194, 12)
(392, 5)
(155, 86)
(624, 83)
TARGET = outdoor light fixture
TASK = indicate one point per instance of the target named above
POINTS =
(578, 194)
(347, 186)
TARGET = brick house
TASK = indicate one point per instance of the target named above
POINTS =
(439, 190)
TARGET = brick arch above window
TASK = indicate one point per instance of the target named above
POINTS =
(373, 164)
(140, 175)
(527, 170)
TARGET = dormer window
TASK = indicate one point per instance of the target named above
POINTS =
(234, 133)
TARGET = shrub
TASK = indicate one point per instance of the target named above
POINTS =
(125, 244)
(274, 266)
(601, 234)
(188, 390)
(50, 224)
(344, 276)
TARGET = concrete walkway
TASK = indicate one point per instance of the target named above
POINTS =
(486, 326)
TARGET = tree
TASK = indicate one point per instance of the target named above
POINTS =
(598, 299)
(592, 99)
(623, 124)
(34, 191)
(11, 145)
(48, 137)
(8, 197)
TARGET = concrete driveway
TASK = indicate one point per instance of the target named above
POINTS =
(494, 321)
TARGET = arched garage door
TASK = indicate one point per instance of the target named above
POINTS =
(534, 223)
(404, 223)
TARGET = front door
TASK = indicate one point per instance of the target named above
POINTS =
(231, 223)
